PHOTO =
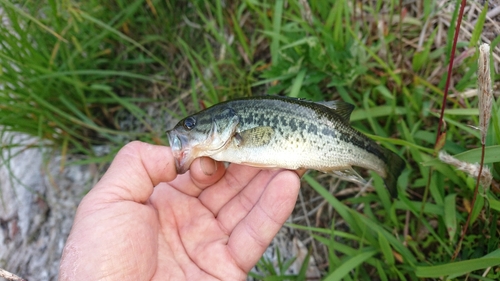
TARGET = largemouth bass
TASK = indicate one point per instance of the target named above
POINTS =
(281, 132)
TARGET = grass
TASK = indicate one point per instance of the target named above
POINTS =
(79, 75)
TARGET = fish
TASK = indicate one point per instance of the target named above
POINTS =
(283, 132)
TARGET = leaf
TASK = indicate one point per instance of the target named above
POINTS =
(478, 28)
(491, 155)
(275, 42)
(350, 264)
(494, 204)
(456, 268)
(31, 18)
(379, 111)
(297, 84)
(443, 168)
(124, 37)
(462, 111)
(476, 209)
(421, 58)
(385, 247)
(429, 208)
(450, 215)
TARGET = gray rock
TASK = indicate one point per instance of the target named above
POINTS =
(38, 201)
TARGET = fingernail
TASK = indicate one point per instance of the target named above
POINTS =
(208, 166)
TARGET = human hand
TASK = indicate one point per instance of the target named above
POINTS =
(144, 222)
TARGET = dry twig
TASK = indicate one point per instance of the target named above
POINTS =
(10, 276)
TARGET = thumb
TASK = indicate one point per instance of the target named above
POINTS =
(136, 170)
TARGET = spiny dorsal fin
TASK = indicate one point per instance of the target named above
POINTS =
(343, 109)
(257, 136)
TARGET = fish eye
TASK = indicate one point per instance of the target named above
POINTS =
(189, 123)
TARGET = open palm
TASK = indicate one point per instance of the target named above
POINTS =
(143, 222)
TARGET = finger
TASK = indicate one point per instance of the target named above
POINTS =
(252, 236)
(203, 172)
(241, 204)
(136, 169)
(233, 181)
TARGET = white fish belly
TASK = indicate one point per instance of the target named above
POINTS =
(296, 156)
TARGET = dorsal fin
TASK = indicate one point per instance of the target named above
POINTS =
(343, 109)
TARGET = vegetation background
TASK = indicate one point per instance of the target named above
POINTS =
(81, 75)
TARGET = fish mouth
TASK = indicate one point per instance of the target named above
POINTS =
(180, 151)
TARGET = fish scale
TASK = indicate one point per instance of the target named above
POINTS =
(280, 132)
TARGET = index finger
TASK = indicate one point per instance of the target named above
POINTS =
(253, 234)
(136, 170)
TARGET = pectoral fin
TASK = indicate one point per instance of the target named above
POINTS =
(257, 136)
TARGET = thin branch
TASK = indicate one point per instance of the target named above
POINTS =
(450, 68)
(10, 276)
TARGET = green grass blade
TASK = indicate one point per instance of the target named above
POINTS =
(297, 84)
(341, 272)
(31, 18)
(386, 250)
(124, 37)
(450, 215)
(478, 28)
(275, 42)
(491, 155)
(456, 268)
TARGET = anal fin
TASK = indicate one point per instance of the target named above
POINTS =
(349, 174)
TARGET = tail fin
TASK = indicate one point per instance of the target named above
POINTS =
(395, 165)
